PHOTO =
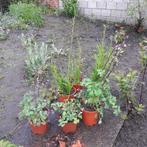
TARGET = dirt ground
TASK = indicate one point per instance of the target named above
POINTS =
(114, 131)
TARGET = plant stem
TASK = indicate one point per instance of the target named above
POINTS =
(142, 85)
(71, 46)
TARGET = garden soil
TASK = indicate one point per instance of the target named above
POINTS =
(113, 131)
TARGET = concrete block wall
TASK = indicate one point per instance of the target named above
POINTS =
(110, 10)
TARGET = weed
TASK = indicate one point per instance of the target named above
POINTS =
(8, 21)
(119, 36)
(36, 62)
(143, 61)
(106, 59)
(70, 7)
(28, 13)
(39, 57)
(127, 84)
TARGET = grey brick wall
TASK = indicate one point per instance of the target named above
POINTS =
(110, 10)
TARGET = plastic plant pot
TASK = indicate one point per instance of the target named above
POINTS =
(39, 130)
(69, 128)
(65, 98)
(90, 118)
(77, 88)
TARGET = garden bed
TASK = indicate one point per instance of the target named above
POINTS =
(13, 86)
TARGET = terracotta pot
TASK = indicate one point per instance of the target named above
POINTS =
(69, 128)
(65, 98)
(90, 118)
(77, 88)
(40, 130)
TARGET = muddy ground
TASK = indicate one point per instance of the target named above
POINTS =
(114, 131)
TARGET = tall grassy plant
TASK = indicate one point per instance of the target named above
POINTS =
(63, 81)
(29, 13)
(70, 7)
(101, 62)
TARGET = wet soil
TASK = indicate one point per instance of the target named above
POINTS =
(13, 85)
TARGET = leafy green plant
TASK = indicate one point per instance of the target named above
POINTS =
(70, 7)
(63, 81)
(105, 62)
(127, 83)
(119, 36)
(33, 109)
(5, 143)
(143, 61)
(28, 13)
(106, 59)
(24, 1)
(97, 97)
(38, 59)
(143, 53)
(36, 62)
(72, 76)
(69, 111)
(8, 21)
(101, 65)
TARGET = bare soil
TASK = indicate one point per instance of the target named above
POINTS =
(13, 86)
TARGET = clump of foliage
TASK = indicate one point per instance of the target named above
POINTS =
(36, 62)
(70, 111)
(127, 83)
(105, 62)
(24, 1)
(70, 7)
(5, 143)
(100, 62)
(106, 59)
(143, 53)
(65, 80)
(39, 57)
(33, 109)
(8, 21)
(143, 60)
(119, 36)
(97, 97)
(29, 13)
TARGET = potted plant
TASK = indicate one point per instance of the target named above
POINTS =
(69, 82)
(95, 98)
(35, 111)
(70, 114)
(63, 83)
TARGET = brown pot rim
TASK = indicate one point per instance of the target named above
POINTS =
(87, 111)
(30, 122)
